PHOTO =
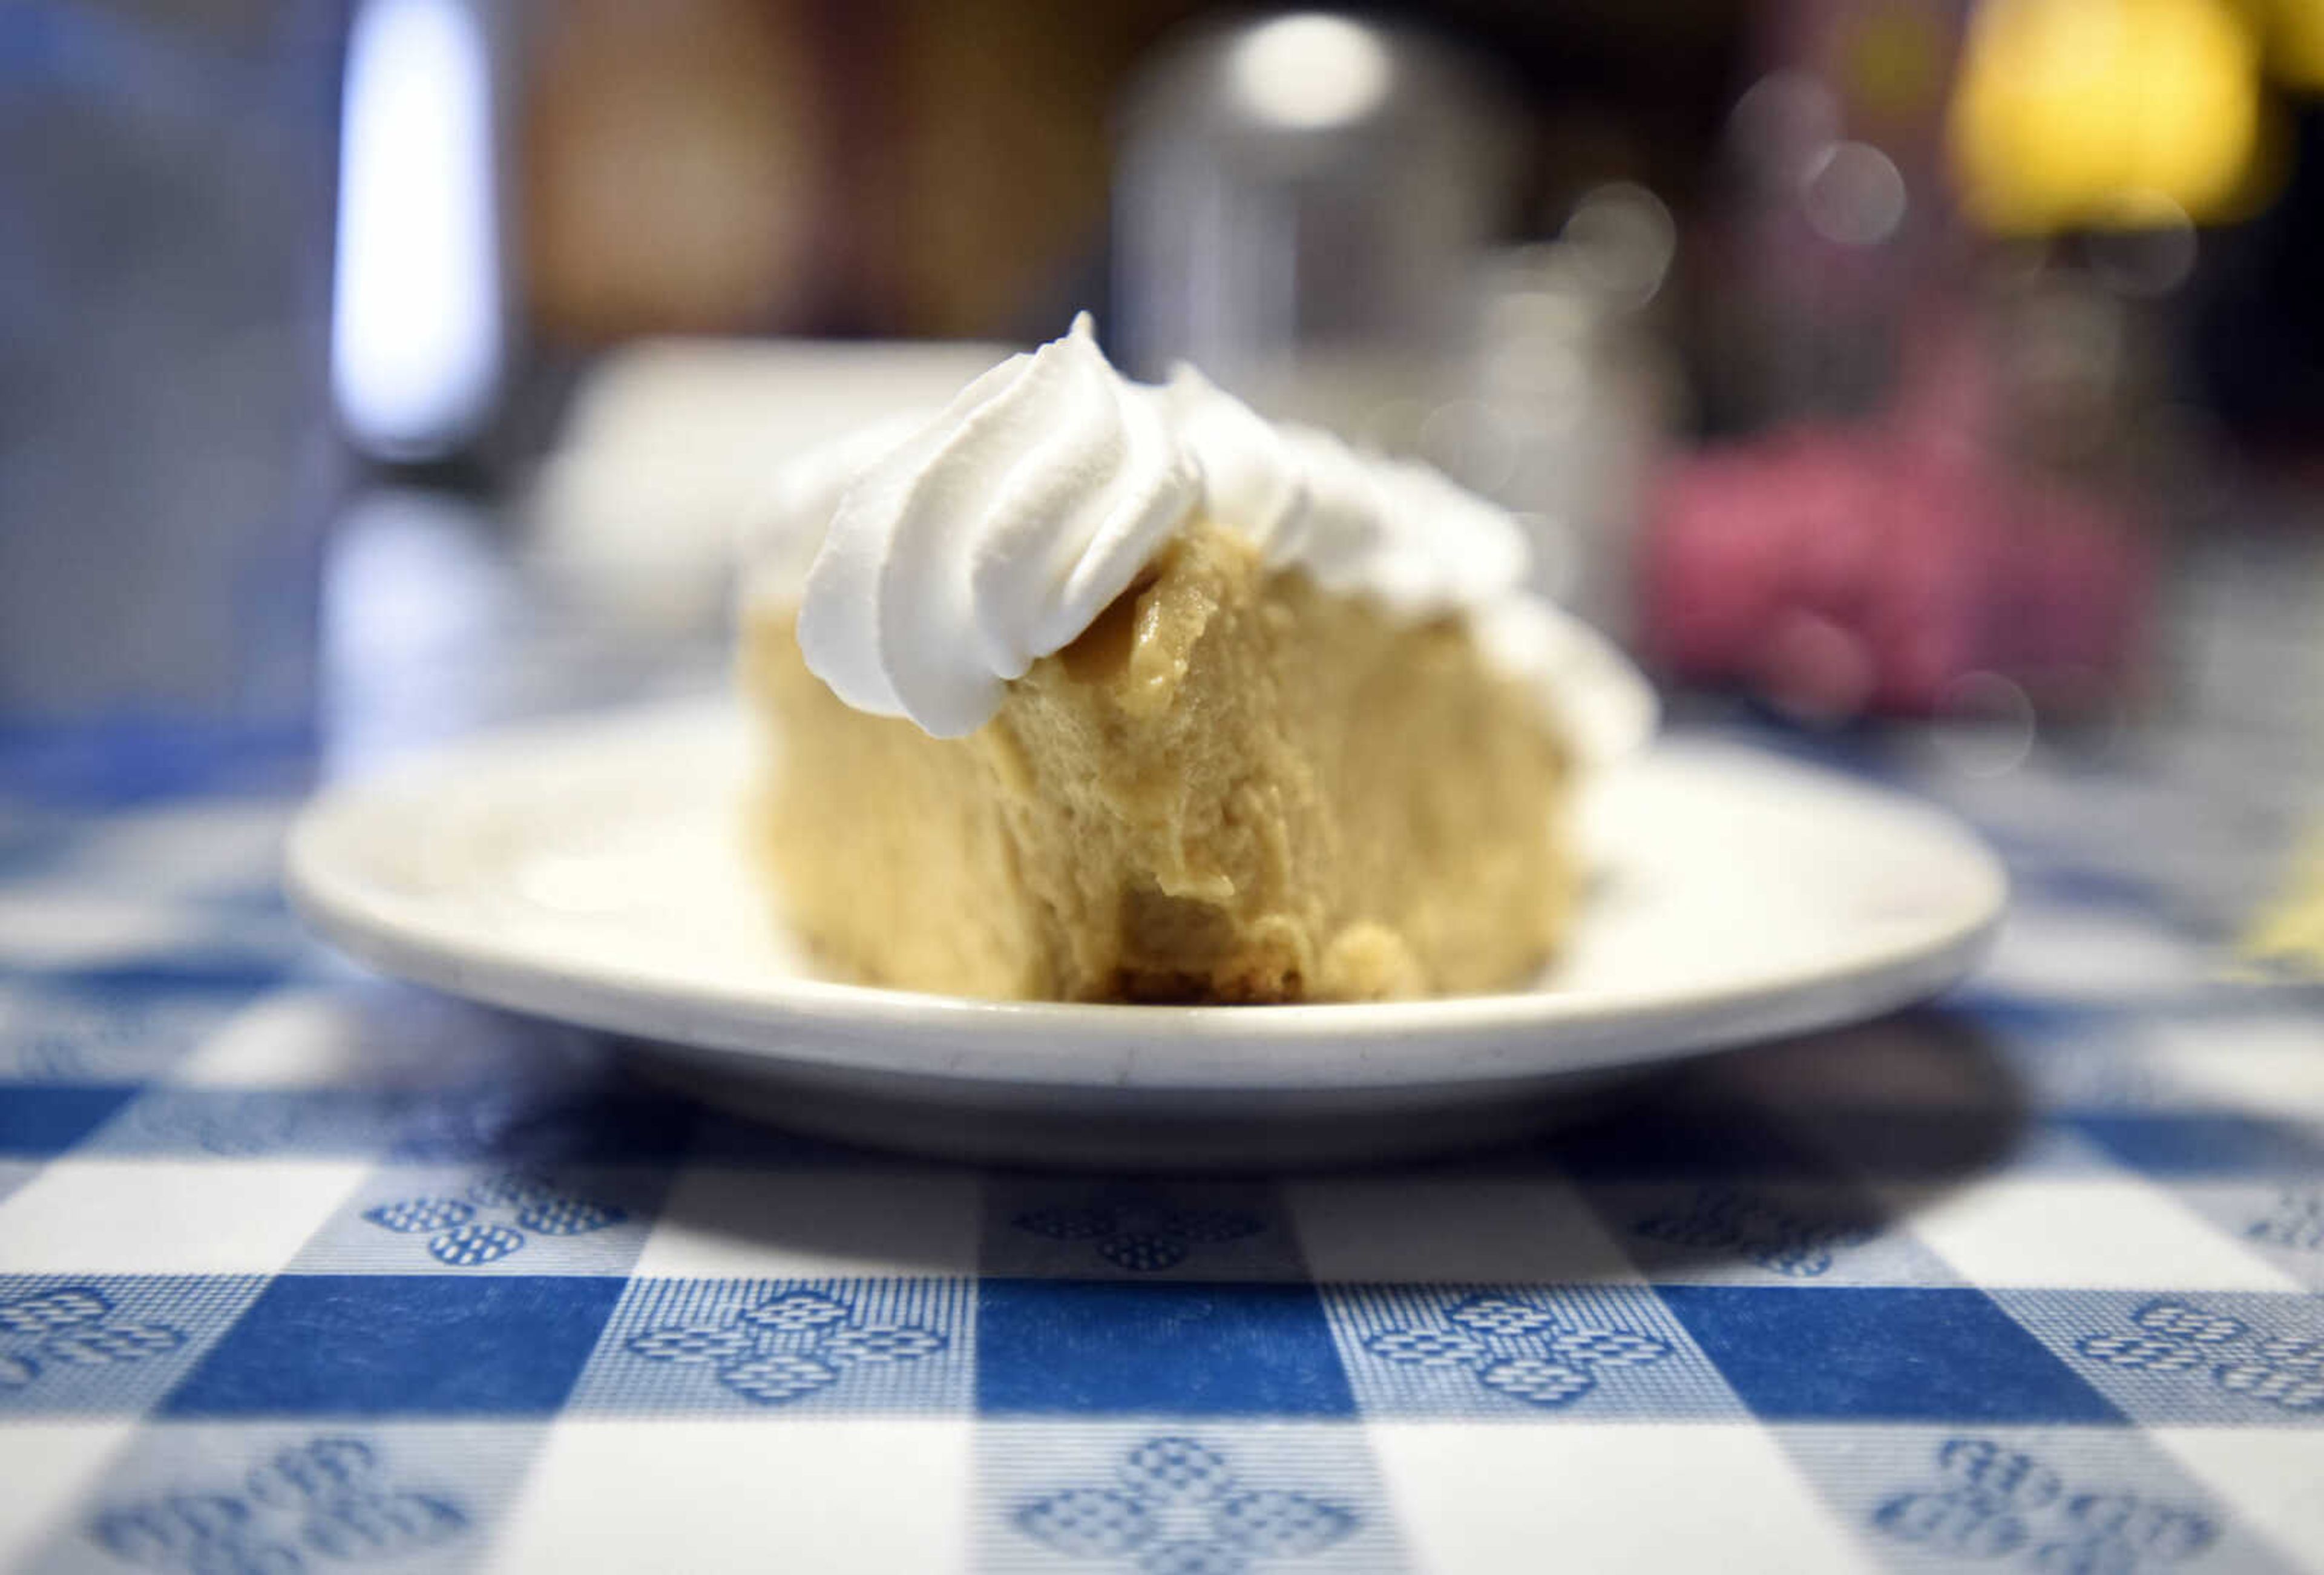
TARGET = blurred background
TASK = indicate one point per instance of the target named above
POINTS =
(1934, 375)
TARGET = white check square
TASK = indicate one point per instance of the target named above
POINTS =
(1471, 1498)
(2265, 1478)
(825, 1494)
(170, 1216)
(304, 1038)
(62, 927)
(2267, 1065)
(50, 1467)
(2078, 1232)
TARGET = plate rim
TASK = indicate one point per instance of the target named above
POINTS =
(876, 1029)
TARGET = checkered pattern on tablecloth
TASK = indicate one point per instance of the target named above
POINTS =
(299, 1271)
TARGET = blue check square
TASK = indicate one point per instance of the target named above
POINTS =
(2203, 1144)
(49, 1119)
(1847, 1352)
(1157, 1349)
(395, 1345)
(230, 964)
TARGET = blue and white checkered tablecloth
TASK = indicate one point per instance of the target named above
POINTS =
(300, 1270)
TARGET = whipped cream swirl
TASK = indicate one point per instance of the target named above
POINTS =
(949, 554)
(1251, 477)
(993, 537)
(1402, 533)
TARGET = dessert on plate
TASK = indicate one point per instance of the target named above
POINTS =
(1086, 690)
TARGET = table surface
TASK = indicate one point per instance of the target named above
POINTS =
(302, 1269)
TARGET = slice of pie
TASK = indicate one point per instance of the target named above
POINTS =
(1094, 691)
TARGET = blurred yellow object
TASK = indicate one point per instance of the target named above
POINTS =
(2295, 40)
(2287, 939)
(2099, 113)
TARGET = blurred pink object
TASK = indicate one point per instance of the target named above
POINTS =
(1837, 571)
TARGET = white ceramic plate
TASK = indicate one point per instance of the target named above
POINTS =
(593, 872)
